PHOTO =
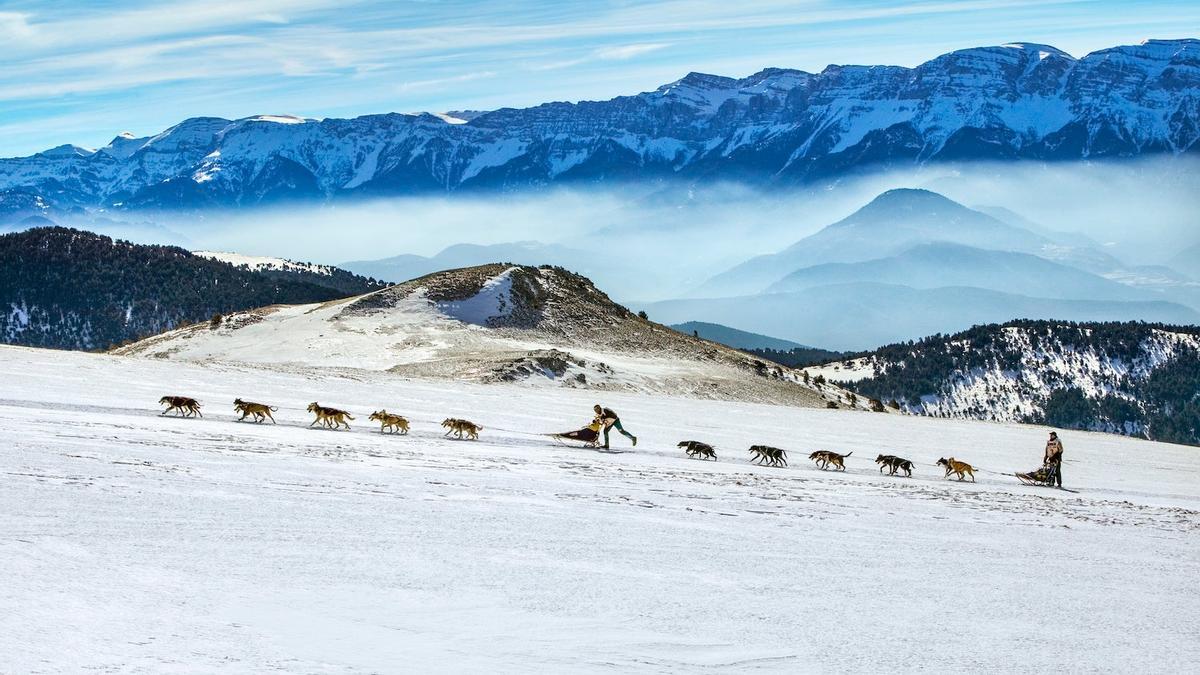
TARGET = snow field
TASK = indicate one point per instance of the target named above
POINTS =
(135, 542)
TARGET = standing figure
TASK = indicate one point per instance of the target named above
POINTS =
(1053, 459)
(609, 419)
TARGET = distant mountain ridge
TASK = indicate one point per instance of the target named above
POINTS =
(863, 315)
(778, 126)
(732, 337)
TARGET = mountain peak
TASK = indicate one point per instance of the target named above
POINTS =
(910, 197)
(67, 150)
(1043, 51)
(707, 80)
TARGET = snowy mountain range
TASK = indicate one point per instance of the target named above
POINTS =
(1128, 378)
(779, 126)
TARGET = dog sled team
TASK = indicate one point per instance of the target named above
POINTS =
(605, 420)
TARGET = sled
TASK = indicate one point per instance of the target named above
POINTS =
(1040, 476)
(589, 436)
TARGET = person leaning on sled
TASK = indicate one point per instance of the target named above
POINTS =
(609, 419)
(1053, 458)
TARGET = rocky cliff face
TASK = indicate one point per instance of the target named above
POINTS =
(996, 103)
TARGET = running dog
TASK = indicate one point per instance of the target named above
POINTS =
(185, 405)
(954, 466)
(258, 410)
(698, 449)
(894, 464)
(770, 456)
(330, 417)
(824, 458)
(459, 427)
(389, 421)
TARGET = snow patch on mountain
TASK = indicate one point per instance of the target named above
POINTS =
(264, 262)
(493, 301)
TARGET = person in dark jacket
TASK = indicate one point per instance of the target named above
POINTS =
(610, 419)
(1053, 458)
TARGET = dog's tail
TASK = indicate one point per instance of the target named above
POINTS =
(349, 416)
(847, 454)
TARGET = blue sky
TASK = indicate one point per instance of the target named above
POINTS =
(83, 71)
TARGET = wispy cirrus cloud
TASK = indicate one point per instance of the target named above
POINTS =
(152, 63)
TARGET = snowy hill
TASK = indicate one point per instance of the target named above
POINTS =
(781, 126)
(1136, 379)
(540, 326)
(140, 543)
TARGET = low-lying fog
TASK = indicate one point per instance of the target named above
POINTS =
(654, 241)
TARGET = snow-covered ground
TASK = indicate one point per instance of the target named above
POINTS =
(133, 542)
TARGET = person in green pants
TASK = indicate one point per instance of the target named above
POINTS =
(610, 419)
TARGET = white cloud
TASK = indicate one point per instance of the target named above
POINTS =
(629, 51)
(443, 81)
(14, 26)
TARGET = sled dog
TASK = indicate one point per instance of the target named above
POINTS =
(698, 449)
(893, 464)
(389, 421)
(330, 417)
(258, 410)
(954, 466)
(184, 405)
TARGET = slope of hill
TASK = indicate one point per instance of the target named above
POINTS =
(493, 323)
(860, 316)
(70, 289)
(1129, 378)
(259, 548)
(991, 103)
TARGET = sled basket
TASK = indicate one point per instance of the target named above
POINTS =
(1040, 476)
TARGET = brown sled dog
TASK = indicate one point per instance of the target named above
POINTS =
(258, 410)
(894, 464)
(824, 458)
(185, 405)
(459, 427)
(389, 421)
(956, 467)
(698, 449)
(330, 417)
